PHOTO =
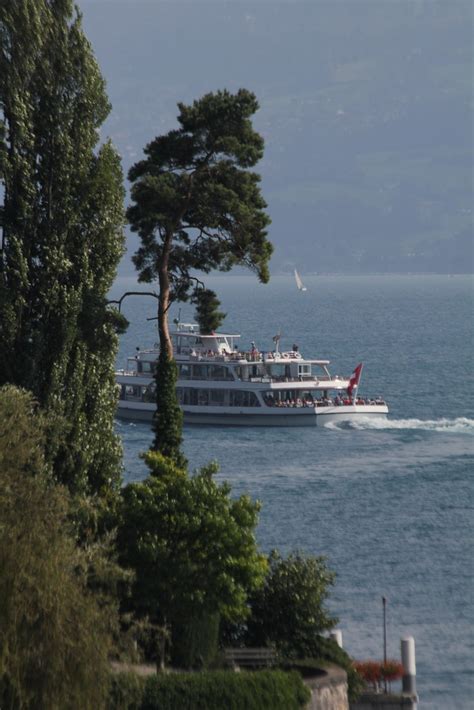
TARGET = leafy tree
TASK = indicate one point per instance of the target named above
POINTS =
(208, 316)
(288, 610)
(197, 207)
(55, 633)
(61, 217)
(191, 547)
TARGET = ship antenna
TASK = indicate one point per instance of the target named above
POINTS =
(177, 320)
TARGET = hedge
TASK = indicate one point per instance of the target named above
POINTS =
(215, 690)
(126, 691)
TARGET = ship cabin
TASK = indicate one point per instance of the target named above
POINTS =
(217, 357)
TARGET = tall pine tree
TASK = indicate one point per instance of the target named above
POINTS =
(197, 206)
(61, 218)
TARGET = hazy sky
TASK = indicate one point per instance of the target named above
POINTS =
(366, 111)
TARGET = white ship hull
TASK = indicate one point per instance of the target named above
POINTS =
(298, 416)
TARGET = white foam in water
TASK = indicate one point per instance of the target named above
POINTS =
(461, 425)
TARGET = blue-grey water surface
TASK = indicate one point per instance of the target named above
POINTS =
(389, 502)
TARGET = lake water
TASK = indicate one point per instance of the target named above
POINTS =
(390, 503)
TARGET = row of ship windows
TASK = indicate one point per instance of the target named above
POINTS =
(194, 396)
(216, 398)
(220, 372)
(192, 372)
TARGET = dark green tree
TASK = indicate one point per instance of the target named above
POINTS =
(191, 546)
(197, 206)
(56, 624)
(288, 610)
(61, 223)
(208, 315)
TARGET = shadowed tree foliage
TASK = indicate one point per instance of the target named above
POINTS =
(61, 216)
(55, 632)
(208, 316)
(197, 206)
(288, 610)
(191, 546)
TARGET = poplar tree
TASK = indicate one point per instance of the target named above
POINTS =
(197, 206)
(61, 218)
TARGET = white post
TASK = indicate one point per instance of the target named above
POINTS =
(409, 665)
(337, 637)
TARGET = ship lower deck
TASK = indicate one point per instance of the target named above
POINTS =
(283, 417)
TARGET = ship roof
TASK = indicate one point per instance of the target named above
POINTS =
(197, 334)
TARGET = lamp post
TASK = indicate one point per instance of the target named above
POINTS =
(384, 603)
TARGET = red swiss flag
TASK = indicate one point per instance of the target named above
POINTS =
(354, 379)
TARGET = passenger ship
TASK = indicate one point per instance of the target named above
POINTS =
(219, 383)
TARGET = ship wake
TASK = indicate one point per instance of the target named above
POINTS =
(460, 425)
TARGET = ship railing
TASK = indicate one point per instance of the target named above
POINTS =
(322, 403)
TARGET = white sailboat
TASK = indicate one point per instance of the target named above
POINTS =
(299, 283)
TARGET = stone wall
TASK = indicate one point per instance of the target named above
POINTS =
(328, 689)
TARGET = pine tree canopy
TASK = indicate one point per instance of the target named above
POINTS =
(194, 188)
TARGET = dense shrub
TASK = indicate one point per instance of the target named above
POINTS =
(126, 691)
(259, 690)
(288, 611)
(195, 642)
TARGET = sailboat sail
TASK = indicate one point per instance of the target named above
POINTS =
(299, 283)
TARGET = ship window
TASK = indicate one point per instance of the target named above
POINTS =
(199, 372)
(185, 372)
(304, 369)
(188, 395)
(275, 370)
(149, 393)
(217, 397)
(241, 398)
(203, 397)
(219, 372)
(133, 392)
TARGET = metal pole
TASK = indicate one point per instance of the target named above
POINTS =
(384, 602)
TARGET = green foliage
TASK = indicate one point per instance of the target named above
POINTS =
(168, 418)
(195, 642)
(288, 611)
(216, 690)
(208, 316)
(194, 187)
(56, 626)
(126, 692)
(61, 201)
(197, 207)
(191, 546)
(162, 466)
(21, 442)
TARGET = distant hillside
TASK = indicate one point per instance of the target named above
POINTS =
(366, 109)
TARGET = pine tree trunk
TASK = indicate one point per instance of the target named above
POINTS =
(166, 346)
